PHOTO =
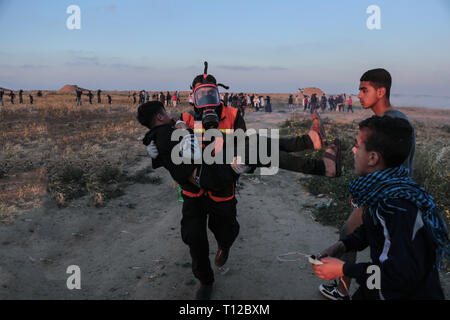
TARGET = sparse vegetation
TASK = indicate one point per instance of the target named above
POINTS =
(77, 151)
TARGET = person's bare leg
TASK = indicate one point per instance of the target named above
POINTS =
(316, 140)
(314, 132)
(352, 223)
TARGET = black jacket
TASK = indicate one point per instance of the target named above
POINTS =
(213, 177)
(404, 250)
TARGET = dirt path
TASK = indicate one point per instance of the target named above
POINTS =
(132, 248)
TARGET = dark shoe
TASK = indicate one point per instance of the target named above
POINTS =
(221, 257)
(204, 292)
(333, 159)
(331, 292)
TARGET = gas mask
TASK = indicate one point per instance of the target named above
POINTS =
(206, 103)
(206, 99)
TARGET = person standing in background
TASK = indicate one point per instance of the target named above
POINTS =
(12, 96)
(349, 104)
(79, 93)
(90, 95)
(268, 107)
(168, 99)
(174, 100)
(291, 103)
(323, 102)
(313, 102)
(21, 96)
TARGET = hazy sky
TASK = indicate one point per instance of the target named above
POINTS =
(262, 46)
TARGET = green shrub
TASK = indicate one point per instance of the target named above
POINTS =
(432, 171)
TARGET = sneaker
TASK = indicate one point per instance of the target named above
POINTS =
(204, 292)
(221, 257)
(330, 291)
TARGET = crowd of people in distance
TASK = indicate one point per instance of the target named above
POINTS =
(168, 99)
(313, 103)
(242, 101)
(12, 96)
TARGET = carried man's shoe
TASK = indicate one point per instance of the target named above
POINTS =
(333, 160)
(221, 257)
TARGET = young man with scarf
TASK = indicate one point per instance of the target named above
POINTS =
(401, 224)
(374, 94)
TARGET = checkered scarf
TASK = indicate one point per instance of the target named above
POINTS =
(375, 189)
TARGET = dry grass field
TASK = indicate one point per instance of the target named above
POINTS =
(68, 151)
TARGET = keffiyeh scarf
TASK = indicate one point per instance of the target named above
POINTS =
(375, 189)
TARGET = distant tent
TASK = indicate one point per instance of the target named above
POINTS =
(70, 88)
(310, 91)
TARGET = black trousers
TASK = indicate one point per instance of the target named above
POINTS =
(292, 162)
(220, 217)
(287, 161)
(298, 163)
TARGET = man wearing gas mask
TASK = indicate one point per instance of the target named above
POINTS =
(220, 205)
(216, 207)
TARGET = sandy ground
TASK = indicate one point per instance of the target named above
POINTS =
(132, 248)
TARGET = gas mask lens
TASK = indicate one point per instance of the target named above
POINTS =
(206, 96)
